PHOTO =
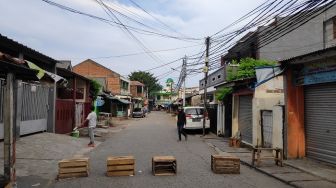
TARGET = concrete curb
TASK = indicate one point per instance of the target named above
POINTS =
(266, 173)
(308, 172)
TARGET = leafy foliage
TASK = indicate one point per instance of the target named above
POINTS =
(95, 88)
(146, 78)
(222, 93)
(246, 68)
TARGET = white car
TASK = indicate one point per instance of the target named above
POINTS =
(194, 116)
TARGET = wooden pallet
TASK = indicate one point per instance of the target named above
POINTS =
(120, 166)
(164, 165)
(225, 164)
(71, 168)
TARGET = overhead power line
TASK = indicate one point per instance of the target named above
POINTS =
(117, 24)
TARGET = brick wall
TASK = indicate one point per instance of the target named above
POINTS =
(113, 84)
(91, 69)
(134, 92)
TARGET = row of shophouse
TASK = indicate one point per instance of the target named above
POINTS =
(51, 95)
(120, 95)
(290, 106)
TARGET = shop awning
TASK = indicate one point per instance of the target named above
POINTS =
(123, 101)
(116, 99)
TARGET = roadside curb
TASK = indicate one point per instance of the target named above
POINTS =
(308, 172)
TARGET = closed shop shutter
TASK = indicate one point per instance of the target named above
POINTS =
(320, 122)
(245, 118)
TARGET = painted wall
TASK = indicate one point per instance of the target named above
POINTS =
(294, 120)
(235, 107)
(268, 96)
(278, 126)
(308, 38)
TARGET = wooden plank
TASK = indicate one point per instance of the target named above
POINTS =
(122, 160)
(223, 163)
(218, 157)
(165, 174)
(165, 166)
(121, 173)
(72, 164)
(75, 159)
(120, 167)
(72, 170)
(73, 175)
(164, 159)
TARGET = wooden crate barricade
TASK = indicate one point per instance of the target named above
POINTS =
(164, 165)
(120, 166)
(71, 168)
(225, 164)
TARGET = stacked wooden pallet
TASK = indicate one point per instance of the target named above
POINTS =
(164, 165)
(225, 164)
(121, 166)
(70, 168)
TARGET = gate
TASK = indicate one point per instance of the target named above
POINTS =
(79, 114)
(320, 127)
(267, 128)
(34, 108)
(245, 118)
(64, 116)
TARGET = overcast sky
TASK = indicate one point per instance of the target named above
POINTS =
(63, 35)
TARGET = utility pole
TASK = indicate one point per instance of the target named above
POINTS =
(184, 78)
(9, 134)
(205, 70)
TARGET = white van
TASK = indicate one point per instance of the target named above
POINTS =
(194, 116)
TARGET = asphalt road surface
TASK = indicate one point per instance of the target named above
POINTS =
(157, 135)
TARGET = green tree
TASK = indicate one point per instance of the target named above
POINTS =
(146, 78)
(95, 88)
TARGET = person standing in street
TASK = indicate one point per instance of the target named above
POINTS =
(92, 119)
(181, 122)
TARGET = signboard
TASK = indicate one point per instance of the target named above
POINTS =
(316, 73)
(100, 102)
(321, 77)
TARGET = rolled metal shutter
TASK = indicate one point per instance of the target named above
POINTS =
(245, 118)
(320, 122)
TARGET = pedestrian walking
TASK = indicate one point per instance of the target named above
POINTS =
(92, 119)
(181, 122)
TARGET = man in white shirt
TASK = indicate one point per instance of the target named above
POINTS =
(92, 119)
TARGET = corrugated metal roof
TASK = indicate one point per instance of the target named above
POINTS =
(16, 46)
(318, 52)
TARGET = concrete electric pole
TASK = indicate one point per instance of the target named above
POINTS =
(205, 70)
(184, 79)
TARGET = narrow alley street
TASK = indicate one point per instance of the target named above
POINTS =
(156, 135)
